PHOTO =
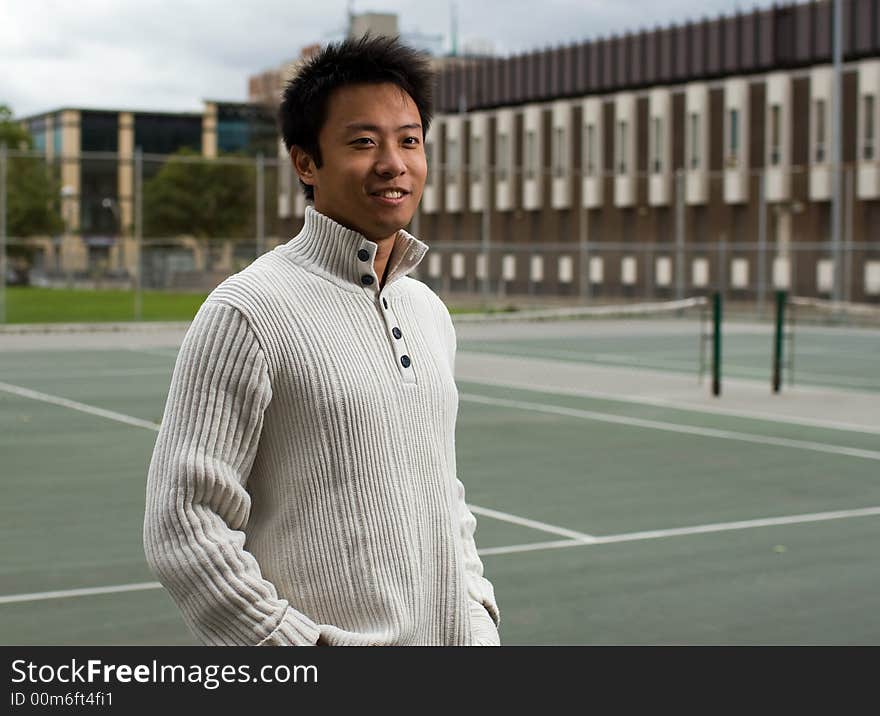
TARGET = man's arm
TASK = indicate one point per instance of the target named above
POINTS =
(196, 502)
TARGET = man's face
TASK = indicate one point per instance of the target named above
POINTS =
(373, 160)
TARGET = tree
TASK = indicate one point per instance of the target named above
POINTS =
(32, 193)
(204, 199)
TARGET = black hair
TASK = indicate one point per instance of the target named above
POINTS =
(367, 60)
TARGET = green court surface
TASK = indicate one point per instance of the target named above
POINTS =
(600, 522)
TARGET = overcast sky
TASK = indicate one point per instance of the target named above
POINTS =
(162, 55)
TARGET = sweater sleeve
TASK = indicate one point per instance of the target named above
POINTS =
(197, 504)
(480, 590)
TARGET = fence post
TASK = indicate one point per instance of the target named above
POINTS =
(261, 201)
(584, 253)
(716, 344)
(762, 244)
(848, 235)
(679, 234)
(3, 157)
(138, 231)
(485, 234)
(777, 340)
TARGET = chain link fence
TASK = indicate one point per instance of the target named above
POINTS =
(497, 233)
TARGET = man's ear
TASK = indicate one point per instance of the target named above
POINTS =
(303, 164)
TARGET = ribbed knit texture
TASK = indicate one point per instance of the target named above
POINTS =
(303, 482)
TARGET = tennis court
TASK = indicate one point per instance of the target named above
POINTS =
(617, 501)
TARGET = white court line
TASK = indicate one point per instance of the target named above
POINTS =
(542, 526)
(110, 372)
(684, 531)
(75, 405)
(531, 547)
(674, 427)
(63, 594)
(580, 538)
(665, 403)
(129, 420)
(162, 353)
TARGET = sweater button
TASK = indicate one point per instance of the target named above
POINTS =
(396, 332)
(385, 302)
(366, 279)
(405, 361)
(363, 255)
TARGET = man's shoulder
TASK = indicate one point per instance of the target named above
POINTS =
(260, 281)
(415, 287)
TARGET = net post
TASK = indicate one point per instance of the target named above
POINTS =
(716, 343)
(781, 298)
(791, 308)
(704, 336)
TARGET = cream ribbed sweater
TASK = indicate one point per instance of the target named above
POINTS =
(303, 482)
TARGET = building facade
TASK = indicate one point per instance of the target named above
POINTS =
(667, 162)
(93, 155)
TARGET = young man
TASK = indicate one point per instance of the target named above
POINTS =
(303, 485)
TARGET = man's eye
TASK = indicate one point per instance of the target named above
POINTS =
(411, 140)
(363, 141)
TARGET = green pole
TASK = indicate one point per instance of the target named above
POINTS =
(781, 298)
(716, 343)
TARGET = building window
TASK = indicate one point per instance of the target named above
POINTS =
(429, 160)
(732, 138)
(657, 135)
(452, 161)
(870, 133)
(530, 154)
(694, 144)
(558, 152)
(503, 157)
(819, 152)
(166, 134)
(775, 135)
(590, 145)
(621, 146)
(476, 159)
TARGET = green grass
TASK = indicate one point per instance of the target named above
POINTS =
(52, 305)
(49, 305)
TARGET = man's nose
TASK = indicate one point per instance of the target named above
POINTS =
(390, 163)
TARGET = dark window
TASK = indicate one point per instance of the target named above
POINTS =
(820, 131)
(503, 157)
(99, 131)
(694, 128)
(590, 145)
(621, 146)
(99, 207)
(732, 138)
(166, 134)
(775, 134)
(657, 137)
(247, 129)
(476, 159)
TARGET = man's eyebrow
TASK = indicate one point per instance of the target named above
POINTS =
(358, 127)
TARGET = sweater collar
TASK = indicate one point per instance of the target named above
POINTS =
(326, 247)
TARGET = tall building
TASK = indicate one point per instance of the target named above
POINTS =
(662, 162)
(665, 162)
